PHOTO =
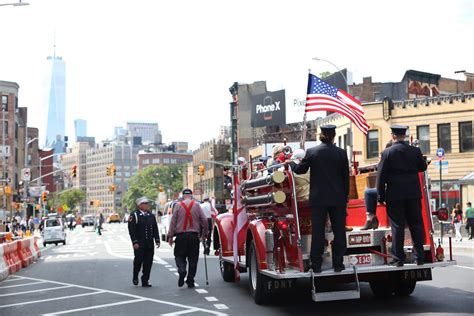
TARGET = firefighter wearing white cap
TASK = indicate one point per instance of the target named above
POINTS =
(143, 232)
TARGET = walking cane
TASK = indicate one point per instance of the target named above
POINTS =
(205, 266)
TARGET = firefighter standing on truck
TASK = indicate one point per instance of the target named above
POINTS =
(143, 231)
(398, 184)
(188, 225)
(329, 192)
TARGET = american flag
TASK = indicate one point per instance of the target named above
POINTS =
(324, 97)
(240, 225)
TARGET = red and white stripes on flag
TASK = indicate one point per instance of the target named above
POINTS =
(240, 225)
(321, 96)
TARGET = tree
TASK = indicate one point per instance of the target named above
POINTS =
(148, 181)
(324, 74)
(72, 197)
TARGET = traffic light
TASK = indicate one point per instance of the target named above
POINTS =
(74, 171)
(113, 170)
(112, 188)
(161, 189)
(201, 170)
(109, 171)
(44, 197)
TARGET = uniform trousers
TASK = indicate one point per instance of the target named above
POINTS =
(337, 215)
(186, 251)
(143, 257)
(400, 213)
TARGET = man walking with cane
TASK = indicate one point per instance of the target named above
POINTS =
(188, 225)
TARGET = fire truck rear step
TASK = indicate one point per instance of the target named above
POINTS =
(336, 295)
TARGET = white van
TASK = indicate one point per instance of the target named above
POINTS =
(53, 232)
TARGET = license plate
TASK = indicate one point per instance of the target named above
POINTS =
(359, 260)
(360, 239)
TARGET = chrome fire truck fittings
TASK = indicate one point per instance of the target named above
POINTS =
(275, 178)
(264, 200)
(269, 244)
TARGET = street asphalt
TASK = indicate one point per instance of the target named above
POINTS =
(91, 275)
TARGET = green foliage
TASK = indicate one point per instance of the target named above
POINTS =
(324, 74)
(72, 198)
(147, 183)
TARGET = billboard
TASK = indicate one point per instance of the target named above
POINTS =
(268, 109)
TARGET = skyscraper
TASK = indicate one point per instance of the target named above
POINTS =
(56, 100)
(80, 128)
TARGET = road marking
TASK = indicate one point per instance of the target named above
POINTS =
(221, 306)
(211, 298)
(122, 294)
(40, 290)
(11, 279)
(176, 273)
(186, 311)
(96, 306)
(168, 266)
(52, 299)
(201, 291)
(464, 267)
(4, 287)
(173, 269)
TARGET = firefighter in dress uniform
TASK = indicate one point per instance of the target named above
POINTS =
(329, 192)
(399, 186)
(143, 232)
(188, 225)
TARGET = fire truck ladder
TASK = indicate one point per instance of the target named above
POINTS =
(336, 295)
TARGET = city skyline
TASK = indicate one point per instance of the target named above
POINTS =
(180, 78)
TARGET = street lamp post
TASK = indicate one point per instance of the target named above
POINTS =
(350, 138)
(26, 181)
(4, 164)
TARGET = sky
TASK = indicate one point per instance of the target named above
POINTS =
(172, 62)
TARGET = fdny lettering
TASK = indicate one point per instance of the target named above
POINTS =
(275, 285)
(268, 108)
(422, 274)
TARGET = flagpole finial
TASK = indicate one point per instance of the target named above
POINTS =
(309, 70)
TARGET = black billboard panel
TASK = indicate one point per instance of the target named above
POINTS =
(268, 109)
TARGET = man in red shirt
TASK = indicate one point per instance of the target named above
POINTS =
(188, 225)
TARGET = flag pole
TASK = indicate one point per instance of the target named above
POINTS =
(304, 127)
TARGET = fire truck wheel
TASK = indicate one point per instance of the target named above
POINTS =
(256, 279)
(227, 269)
(381, 289)
(405, 288)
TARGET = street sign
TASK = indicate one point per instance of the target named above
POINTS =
(440, 153)
(5, 151)
(26, 174)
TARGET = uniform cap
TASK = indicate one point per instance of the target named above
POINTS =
(328, 128)
(142, 200)
(187, 191)
(399, 129)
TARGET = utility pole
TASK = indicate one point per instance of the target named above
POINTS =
(4, 163)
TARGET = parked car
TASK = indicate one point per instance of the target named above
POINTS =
(87, 220)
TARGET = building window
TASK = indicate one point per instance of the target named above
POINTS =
(377, 96)
(423, 135)
(465, 137)
(156, 160)
(372, 144)
(444, 137)
(5, 102)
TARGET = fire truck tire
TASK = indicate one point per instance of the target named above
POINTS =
(227, 269)
(256, 279)
(405, 288)
(381, 289)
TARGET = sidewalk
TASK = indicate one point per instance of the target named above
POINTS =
(465, 244)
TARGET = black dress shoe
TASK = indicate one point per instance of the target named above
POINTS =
(181, 280)
(371, 224)
(135, 281)
(420, 263)
(396, 263)
(339, 268)
(316, 269)
(191, 285)
(146, 285)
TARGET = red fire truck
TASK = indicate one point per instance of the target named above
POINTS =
(278, 242)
